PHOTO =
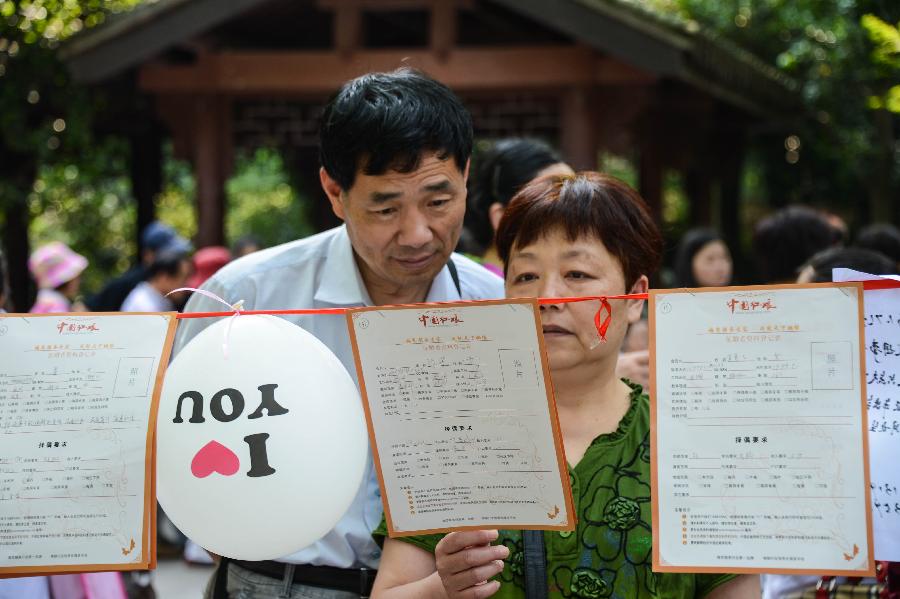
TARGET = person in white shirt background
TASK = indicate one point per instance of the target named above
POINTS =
(168, 272)
(395, 151)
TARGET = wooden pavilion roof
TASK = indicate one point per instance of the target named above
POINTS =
(614, 41)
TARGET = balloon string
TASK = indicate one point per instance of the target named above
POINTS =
(237, 307)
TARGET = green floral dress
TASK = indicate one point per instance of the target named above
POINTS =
(609, 555)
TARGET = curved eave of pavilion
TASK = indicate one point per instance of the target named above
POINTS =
(670, 47)
(127, 39)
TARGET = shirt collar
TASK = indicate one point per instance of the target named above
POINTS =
(342, 284)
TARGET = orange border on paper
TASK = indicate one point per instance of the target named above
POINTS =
(147, 559)
(551, 404)
(658, 565)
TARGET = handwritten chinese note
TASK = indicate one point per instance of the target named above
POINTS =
(77, 411)
(463, 424)
(759, 436)
(882, 326)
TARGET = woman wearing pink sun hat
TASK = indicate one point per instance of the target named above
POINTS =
(57, 271)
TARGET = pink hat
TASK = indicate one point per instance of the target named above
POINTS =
(55, 264)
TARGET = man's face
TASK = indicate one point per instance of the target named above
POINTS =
(403, 226)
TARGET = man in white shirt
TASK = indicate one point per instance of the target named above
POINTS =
(395, 153)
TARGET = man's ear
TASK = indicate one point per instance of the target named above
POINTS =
(495, 213)
(333, 190)
(636, 307)
(466, 170)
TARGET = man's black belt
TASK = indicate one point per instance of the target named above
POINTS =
(354, 580)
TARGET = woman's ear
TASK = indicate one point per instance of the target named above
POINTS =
(635, 306)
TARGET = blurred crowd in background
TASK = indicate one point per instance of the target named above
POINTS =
(796, 244)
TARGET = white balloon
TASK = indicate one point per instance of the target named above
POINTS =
(301, 478)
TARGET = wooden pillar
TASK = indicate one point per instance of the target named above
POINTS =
(348, 27)
(578, 131)
(211, 148)
(146, 172)
(18, 170)
(650, 176)
(443, 28)
(698, 188)
(731, 162)
(651, 132)
(16, 249)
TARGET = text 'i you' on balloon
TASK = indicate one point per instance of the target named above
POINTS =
(261, 448)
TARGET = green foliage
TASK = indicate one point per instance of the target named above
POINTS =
(175, 204)
(886, 39)
(47, 22)
(42, 115)
(840, 152)
(46, 131)
(619, 167)
(886, 57)
(76, 186)
(261, 201)
(87, 205)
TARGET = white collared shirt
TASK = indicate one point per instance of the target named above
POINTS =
(321, 272)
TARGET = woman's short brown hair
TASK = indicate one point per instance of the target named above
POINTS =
(584, 205)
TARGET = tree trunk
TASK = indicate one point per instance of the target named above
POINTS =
(19, 171)
(16, 249)
(882, 209)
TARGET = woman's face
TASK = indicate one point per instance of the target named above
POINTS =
(554, 266)
(712, 265)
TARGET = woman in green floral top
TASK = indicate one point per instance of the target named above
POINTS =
(572, 236)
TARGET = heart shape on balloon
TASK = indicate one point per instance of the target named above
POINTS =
(214, 457)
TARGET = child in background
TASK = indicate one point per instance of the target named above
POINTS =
(57, 271)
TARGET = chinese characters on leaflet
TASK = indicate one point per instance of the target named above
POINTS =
(882, 331)
(759, 461)
(76, 400)
(464, 432)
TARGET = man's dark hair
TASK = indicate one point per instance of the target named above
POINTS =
(497, 175)
(386, 121)
(868, 261)
(784, 241)
(166, 263)
(881, 237)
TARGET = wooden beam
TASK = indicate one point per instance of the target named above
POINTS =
(322, 72)
(393, 5)
(132, 38)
